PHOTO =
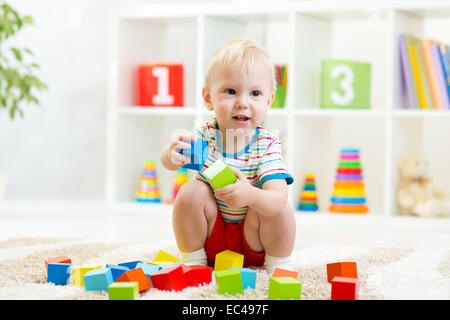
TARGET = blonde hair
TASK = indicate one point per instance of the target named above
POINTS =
(238, 51)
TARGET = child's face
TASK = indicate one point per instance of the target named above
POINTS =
(239, 99)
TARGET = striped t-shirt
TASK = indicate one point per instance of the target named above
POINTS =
(259, 161)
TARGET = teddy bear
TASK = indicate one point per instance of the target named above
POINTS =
(416, 195)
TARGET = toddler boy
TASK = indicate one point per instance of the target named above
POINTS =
(251, 216)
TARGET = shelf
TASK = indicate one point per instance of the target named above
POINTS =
(421, 113)
(339, 113)
(163, 111)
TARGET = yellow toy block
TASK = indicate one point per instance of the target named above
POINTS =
(160, 263)
(166, 257)
(228, 258)
(78, 273)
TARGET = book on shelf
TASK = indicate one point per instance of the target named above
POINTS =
(425, 72)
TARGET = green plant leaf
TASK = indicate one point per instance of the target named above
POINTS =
(17, 53)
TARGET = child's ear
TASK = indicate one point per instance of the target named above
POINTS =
(272, 97)
(207, 98)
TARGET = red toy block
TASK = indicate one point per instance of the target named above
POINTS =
(341, 269)
(279, 272)
(160, 84)
(170, 279)
(59, 259)
(136, 275)
(343, 288)
(197, 275)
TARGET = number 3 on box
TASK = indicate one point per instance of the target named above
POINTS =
(345, 84)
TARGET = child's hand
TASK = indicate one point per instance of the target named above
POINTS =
(235, 195)
(176, 158)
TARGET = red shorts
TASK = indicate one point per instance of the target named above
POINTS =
(230, 236)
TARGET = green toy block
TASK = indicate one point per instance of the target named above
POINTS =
(284, 288)
(123, 291)
(229, 281)
(219, 175)
(345, 84)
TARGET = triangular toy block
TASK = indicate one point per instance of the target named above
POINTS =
(229, 281)
(130, 264)
(248, 277)
(219, 175)
(341, 269)
(164, 256)
(343, 288)
(148, 269)
(117, 271)
(136, 275)
(169, 279)
(98, 279)
(59, 259)
(123, 291)
(279, 272)
(284, 288)
(227, 259)
(59, 273)
(79, 272)
(197, 275)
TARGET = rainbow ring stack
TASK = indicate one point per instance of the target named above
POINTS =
(349, 193)
(148, 189)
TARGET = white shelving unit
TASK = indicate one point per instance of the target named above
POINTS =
(299, 34)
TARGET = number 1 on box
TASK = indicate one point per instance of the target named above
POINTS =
(162, 96)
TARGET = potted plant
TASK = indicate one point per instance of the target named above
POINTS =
(18, 82)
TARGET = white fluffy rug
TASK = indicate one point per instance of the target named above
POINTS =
(384, 273)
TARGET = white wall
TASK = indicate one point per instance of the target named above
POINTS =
(57, 152)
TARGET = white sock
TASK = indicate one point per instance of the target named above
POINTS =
(194, 258)
(270, 263)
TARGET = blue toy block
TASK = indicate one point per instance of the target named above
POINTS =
(248, 277)
(149, 269)
(98, 279)
(116, 270)
(197, 153)
(169, 265)
(130, 265)
(59, 273)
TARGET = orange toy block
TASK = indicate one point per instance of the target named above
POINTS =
(136, 275)
(278, 272)
(59, 259)
(341, 269)
(343, 288)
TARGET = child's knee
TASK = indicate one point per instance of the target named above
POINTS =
(193, 193)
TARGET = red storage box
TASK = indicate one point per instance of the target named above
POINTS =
(160, 84)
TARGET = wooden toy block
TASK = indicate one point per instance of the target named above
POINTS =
(248, 277)
(343, 288)
(59, 259)
(197, 154)
(197, 275)
(228, 281)
(136, 275)
(160, 84)
(59, 273)
(227, 259)
(219, 175)
(116, 270)
(284, 288)
(98, 279)
(169, 279)
(130, 265)
(341, 269)
(123, 291)
(148, 269)
(164, 256)
(279, 272)
(79, 272)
